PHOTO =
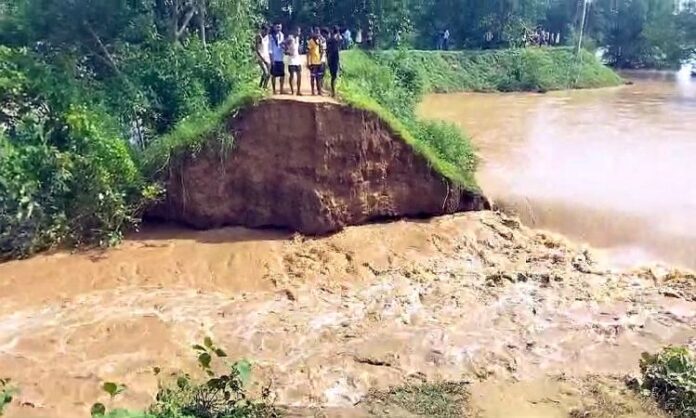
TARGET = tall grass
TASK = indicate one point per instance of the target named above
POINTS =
(189, 135)
(393, 93)
(527, 69)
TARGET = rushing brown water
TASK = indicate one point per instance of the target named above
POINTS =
(614, 168)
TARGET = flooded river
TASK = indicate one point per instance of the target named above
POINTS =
(614, 168)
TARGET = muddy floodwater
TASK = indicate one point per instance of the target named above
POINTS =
(614, 168)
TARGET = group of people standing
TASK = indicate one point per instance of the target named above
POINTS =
(542, 37)
(322, 48)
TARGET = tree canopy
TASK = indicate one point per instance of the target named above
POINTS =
(636, 33)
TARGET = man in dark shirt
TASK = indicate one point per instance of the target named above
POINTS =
(333, 48)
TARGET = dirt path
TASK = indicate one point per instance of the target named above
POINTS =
(305, 88)
(473, 296)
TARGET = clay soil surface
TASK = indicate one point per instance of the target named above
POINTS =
(312, 167)
(521, 315)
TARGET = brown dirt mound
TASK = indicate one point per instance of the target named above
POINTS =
(309, 167)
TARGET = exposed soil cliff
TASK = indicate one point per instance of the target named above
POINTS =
(309, 167)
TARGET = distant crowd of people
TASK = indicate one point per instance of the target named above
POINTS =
(541, 37)
(275, 52)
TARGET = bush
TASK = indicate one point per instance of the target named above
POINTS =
(68, 173)
(670, 377)
(66, 176)
(66, 179)
(6, 394)
(165, 85)
(222, 395)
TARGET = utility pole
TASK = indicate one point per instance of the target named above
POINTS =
(585, 4)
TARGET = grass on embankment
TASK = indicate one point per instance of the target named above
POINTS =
(189, 135)
(507, 70)
(393, 94)
(392, 83)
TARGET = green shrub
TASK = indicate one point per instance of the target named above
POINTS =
(222, 395)
(165, 85)
(66, 179)
(68, 175)
(670, 377)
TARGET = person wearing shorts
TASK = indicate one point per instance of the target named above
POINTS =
(333, 48)
(292, 49)
(316, 68)
(277, 55)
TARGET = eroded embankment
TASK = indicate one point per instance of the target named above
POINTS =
(309, 167)
(475, 296)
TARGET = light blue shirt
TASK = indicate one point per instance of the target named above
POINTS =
(277, 52)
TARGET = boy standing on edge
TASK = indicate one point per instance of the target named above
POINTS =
(277, 54)
(263, 55)
(316, 72)
(333, 48)
(292, 49)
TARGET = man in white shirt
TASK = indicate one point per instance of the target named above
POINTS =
(263, 55)
(277, 55)
(292, 49)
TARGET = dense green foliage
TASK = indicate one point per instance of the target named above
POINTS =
(65, 173)
(393, 93)
(84, 86)
(670, 377)
(636, 33)
(644, 33)
(527, 69)
(221, 395)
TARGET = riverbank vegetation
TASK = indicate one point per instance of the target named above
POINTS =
(85, 86)
(91, 108)
(634, 33)
(393, 93)
(524, 69)
(670, 378)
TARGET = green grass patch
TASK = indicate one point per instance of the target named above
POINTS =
(433, 400)
(507, 70)
(189, 135)
(392, 94)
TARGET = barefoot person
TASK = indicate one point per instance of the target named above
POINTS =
(277, 55)
(333, 48)
(316, 71)
(263, 55)
(292, 49)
